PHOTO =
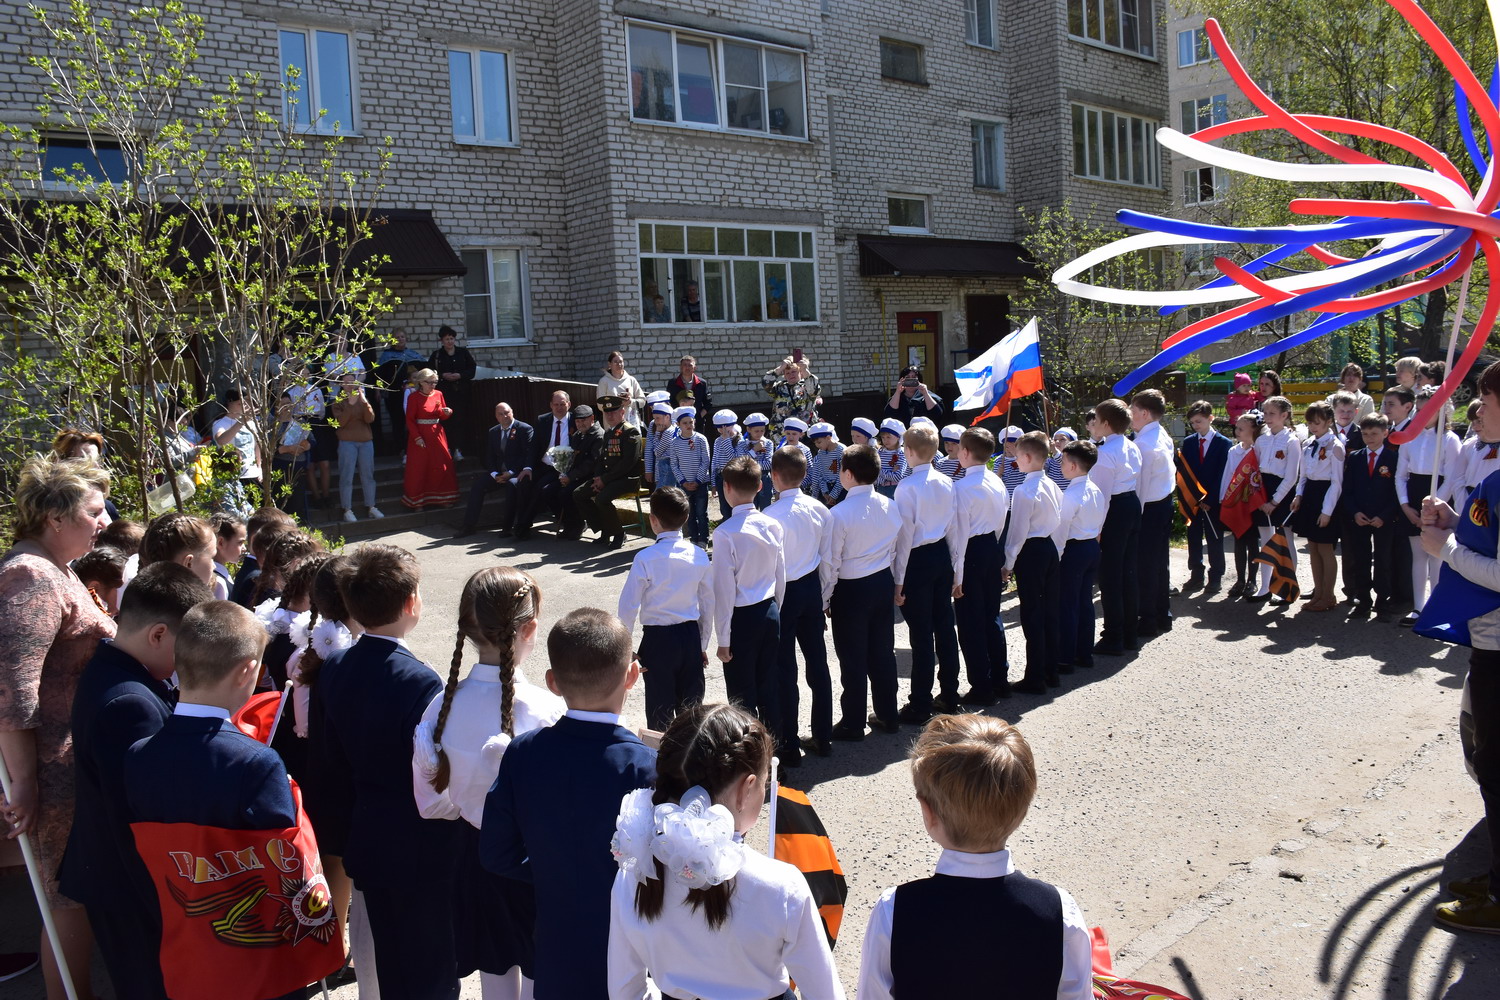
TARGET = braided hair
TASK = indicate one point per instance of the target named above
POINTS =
(496, 604)
(710, 746)
(285, 549)
(327, 603)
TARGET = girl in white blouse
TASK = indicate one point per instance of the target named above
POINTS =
(1280, 454)
(1414, 483)
(1318, 489)
(1247, 429)
(456, 755)
(692, 906)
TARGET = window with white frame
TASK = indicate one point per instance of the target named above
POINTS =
(1201, 112)
(711, 81)
(317, 68)
(696, 273)
(1194, 47)
(479, 85)
(495, 295)
(1204, 185)
(906, 213)
(1120, 24)
(1110, 146)
(901, 61)
(989, 154)
(979, 22)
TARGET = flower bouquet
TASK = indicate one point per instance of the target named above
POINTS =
(561, 457)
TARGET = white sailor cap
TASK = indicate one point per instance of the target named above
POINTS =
(953, 432)
(757, 420)
(893, 425)
(661, 408)
(865, 426)
(1066, 432)
(821, 429)
(726, 418)
(659, 396)
(683, 411)
(794, 424)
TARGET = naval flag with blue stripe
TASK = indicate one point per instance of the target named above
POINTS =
(1003, 374)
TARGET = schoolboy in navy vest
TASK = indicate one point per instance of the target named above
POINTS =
(1204, 452)
(981, 505)
(199, 768)
(975, 778)
(551, 814)
(123, 698)
(1370, 508)
(371, 697)
(749, 577)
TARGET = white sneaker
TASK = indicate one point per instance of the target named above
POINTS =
(349, 516)
(375, 513)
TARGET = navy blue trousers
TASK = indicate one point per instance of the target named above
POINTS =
(1206, 534)
(1153, 571)
(864, 640)
(1075, 595)
(978, 613)
(1036, 574)
(672, 661)
(803, 624)
(928, 610)
(1118, 598)
(696, 529)
(750, 675)
(414, 949)
(129, 939)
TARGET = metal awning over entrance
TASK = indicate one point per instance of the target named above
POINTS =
(929, 256)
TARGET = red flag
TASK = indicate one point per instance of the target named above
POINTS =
(246, 914)
(1246, 495)
(257, 715)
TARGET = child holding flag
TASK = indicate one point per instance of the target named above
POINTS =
(1240, 494)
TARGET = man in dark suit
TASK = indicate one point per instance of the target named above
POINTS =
(553, 429)
(618, 473)
(1370, 509)
(588, 448)
(689, 389)
(1205, 452)
(123, 698)
(556, 798)
(507, 451)
(371, 697)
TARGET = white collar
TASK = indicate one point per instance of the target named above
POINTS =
(790, 495)
(1032, 477)
(994, 864)
(490, 673)
(862, 488)
(200, 711)
(609, 718)
(669, 536)
(389, 638)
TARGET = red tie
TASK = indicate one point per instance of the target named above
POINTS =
(1372, 464)
(1202, 449)
(556, 432)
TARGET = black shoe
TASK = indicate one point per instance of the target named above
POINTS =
(1236, 591)
(1065, 668)
(910, 714)
(789, 757)
(1213, 585)
(1002, 690)
(616, 542)
(463, 533)
(503, 533)
(602, 540)
(1145, 633)
(944, 706)
(1086, 664)
(1258, 598)
(1385, 617)
(1031, 686)
(522, 534)
(981, 699)
(820, 748)
(570, 534)
(1410, 619)
(847, 732)
(1054, 681)
(1191, 584)
(886, 725)
(1102, 649)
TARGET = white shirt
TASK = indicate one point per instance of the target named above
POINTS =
(1415, 459)
(748, 565)
(925, 508)
(1237, 453)
(1323, 460)
(1158, 470)
(1280, 454)
(608, 718)
(773, 934)
(1080, 513)
(1034, 513)
(563, 430)
(200, 711)
(861, 538)
(669, 584)
(472, 740)
(1481, 459)
(1119, 466)
(804, 525)
(876, 981)
(979, 497)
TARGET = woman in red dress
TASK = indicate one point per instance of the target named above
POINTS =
(430, 480)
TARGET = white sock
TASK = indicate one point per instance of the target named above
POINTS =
(1264, 533)
(1419, 572)
(505, 986)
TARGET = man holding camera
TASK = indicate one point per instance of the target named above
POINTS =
(913, 399)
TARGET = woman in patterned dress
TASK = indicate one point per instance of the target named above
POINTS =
(50, 626)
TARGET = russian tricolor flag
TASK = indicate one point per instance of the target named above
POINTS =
(1003, 374)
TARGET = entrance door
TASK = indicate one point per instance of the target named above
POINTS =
(989, 321)
(917, 342)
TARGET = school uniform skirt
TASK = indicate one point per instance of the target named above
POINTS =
(1305, 520)
(1283, 510)
(1417, 490)
(492, 916)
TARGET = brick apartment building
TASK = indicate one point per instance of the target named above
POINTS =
(839, 176)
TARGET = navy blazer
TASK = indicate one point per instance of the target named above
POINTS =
(206, 771)
(117, 704)
(514, 456)
(541, 440)
(549, 819)
(1373, 496)
(243, 590)
(1210, 468)
(371, 697)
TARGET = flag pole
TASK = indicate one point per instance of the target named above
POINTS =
(37, 888)
(1439, 427)
(286, 693)
(771, 848)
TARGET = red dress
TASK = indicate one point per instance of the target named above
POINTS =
(430, 479)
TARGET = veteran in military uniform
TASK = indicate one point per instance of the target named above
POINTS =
(617, 472)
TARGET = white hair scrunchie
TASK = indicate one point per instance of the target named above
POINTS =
(695, 841)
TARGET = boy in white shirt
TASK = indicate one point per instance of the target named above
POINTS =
(1080, 519)
(1031, 554)
(981, 504)
(669, 587)
(1158, 478)
(749, 584)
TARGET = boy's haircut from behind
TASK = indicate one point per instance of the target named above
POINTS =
(171, 535)
(1085, 453)
(862, 463)
(104, 565)
(1401, 392)
(161, 593)
(376, 582)
(1115, 414)
(1319, 411)
(977, 775)
(922, 440)
(1375, 420)
(1342, 398)
(669, 505)
(213, 639)
(790, 464)
(742, 474)
(124, 535)
(589, 652)
(1200, 408)
(979, 443)
(1035, 444)
(1150, 400)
